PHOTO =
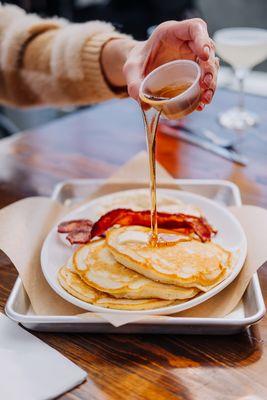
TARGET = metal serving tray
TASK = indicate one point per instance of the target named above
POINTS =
(250, 309)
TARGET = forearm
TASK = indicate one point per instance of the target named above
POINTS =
(51, 62)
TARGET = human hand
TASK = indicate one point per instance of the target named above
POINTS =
(170, 41)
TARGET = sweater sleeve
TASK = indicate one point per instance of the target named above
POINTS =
(50, 61)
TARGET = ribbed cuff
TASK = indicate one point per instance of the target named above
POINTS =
(93, 73)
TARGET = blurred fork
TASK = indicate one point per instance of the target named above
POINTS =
(204, 133)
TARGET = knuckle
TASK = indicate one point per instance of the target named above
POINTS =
(208, 69)
(214, 81)
(165, 26)
(199, 21)
(212, 44)
(213, 68)
(214, 84)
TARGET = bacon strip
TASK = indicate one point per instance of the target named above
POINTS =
(126, 217)
(82, 231)
(79, 236)
(75, 225)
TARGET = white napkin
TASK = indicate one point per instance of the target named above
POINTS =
(30, 369)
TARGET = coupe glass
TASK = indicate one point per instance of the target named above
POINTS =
(242, 48)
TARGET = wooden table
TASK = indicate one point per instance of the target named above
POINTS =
(92, 144)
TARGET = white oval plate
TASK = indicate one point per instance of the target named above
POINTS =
(231, 236)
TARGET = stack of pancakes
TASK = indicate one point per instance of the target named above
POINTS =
(124, 272)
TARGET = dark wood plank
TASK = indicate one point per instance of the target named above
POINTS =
(94, 143)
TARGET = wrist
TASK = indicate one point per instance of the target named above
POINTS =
(113, 57)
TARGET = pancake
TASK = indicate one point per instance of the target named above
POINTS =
(73, 284)
(185, 263)
(97, 267)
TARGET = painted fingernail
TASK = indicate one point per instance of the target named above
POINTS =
(206, 50)
(209, 95)
(208, 79)
(201, 106)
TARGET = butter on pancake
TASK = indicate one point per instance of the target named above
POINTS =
(185, 263)
(73, 284)
(97, 267)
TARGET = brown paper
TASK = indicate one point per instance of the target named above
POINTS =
(136, 173)
(25, 224)
(254, 222)
(23, 228)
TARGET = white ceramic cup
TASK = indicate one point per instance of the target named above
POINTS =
(174, 73)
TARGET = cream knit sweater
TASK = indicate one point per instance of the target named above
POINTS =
(51, 61)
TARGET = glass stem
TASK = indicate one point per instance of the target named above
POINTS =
(240, 76)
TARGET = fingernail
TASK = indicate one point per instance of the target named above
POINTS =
(206, 51)
(209, 95)
(208, 79)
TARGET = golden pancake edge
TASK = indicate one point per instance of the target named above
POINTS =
(73, 284)
(189, 263)
(97, 267)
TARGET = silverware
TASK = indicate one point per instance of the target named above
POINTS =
(188, 136)
(214, 138)
(204, 133)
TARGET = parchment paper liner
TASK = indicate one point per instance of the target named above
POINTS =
(25, 224)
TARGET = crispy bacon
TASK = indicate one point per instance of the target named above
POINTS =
(83, 231)
(176, 222)
(75, 225)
